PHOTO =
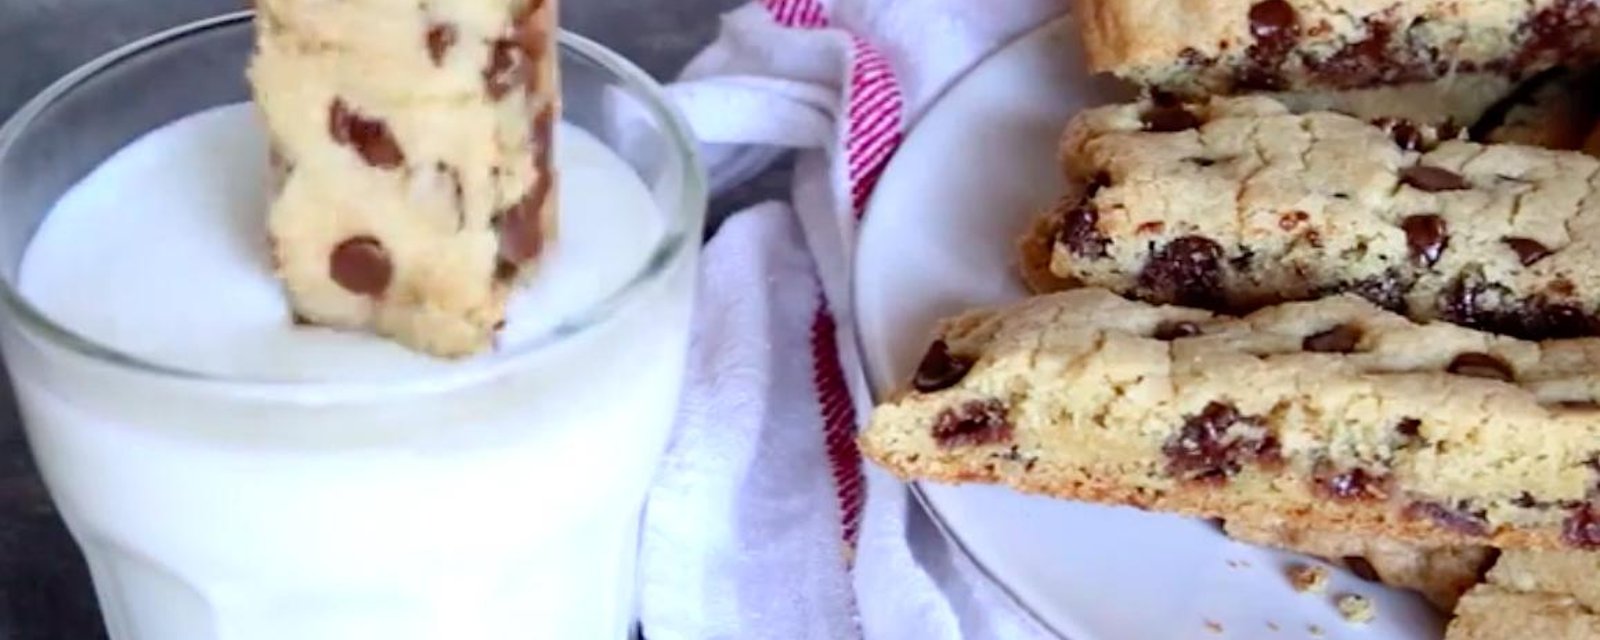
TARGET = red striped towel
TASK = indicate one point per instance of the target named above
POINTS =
(764, 522)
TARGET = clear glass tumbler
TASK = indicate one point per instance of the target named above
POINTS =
(495, 499)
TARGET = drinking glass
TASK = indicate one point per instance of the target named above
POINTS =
(495, 498)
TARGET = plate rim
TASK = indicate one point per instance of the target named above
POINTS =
(915, 488)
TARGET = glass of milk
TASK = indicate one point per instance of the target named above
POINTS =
(232, 476)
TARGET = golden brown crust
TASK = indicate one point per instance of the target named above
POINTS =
(1330, 415)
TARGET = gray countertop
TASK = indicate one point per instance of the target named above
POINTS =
(44, 588)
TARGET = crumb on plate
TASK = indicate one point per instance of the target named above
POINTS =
(1356, 608)
(1308, 578)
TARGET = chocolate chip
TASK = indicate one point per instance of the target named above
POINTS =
(1557, 321)
(1215, 444)
(1481, 365)
(1362, 568)
(1174, 329)
(1242, 260)
(1169, 119)
(1261, 74)
(1427, 238)
(520, 227)
(1274, 21)
(1081, 233)
(1387, 290)
(940, 369)
(976, 422)
(370, 138)
(301, 321)
(1340, 339)
(508, 69)
(505, 270)
(361, 265)
(1367, 61)
(1200, 162)
(1580, 405)
(1528, 250)
(1150, 228)
(1457, 520)
(1433, 179)
(1275, 28)
(1407, 136)
(1292, 219)
(1351, 484)
(1582, 528)
(1409, 427)
(1187, 271)
(440, 38)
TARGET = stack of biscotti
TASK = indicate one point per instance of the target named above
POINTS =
(413, 145)
(1333, 279)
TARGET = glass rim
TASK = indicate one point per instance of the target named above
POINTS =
(681, 236)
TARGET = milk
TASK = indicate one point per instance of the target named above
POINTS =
(405, 497)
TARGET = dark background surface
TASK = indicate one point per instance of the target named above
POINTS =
(44, 587)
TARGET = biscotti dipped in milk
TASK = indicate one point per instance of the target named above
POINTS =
(414, 151)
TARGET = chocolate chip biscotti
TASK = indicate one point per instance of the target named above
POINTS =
(414, 151)
(1225, 46)
(1236, 204)
(1548, 595)
(1331, 415)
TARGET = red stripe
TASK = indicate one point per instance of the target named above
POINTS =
(839, 421)
(873, 132)
(798, 14)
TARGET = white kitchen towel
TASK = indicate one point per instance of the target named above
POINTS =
(764, 523)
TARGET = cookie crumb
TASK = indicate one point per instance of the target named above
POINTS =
(1214, 627)
(1356, 609)
(1273, 626)
(1308, 578)
(1314, 630)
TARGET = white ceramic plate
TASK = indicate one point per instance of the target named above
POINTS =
(939, 238)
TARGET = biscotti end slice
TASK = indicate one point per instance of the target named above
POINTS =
(1333, 415)
(1549, 595)
(1441, 574)
(416, 185)
(1238, 203)
(1201, 47)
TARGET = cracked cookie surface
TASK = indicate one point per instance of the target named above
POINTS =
(1333, 415)
(412, 147)
(1238, 203)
